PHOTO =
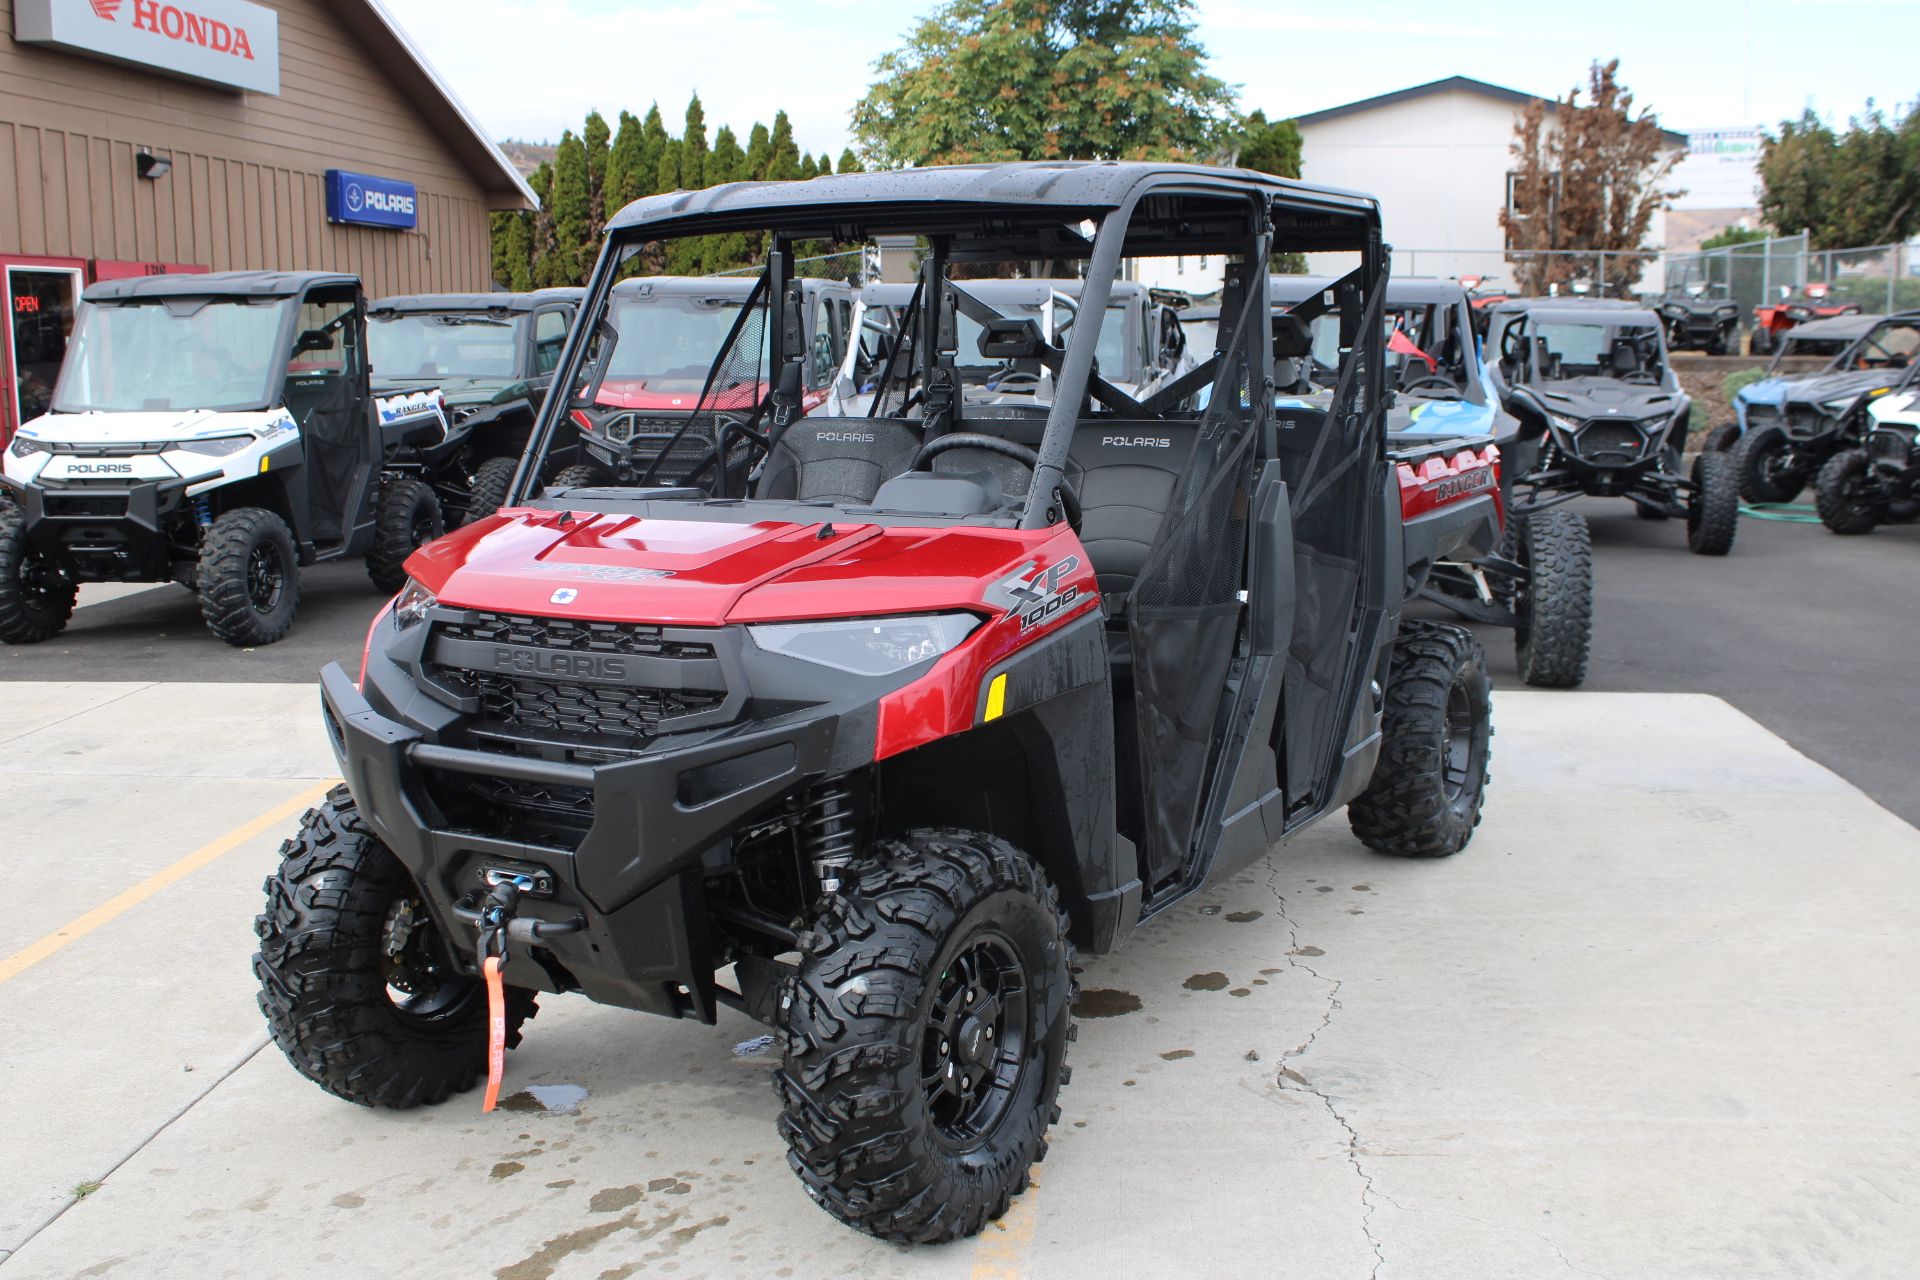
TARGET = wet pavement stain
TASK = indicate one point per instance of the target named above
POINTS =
(1174, 1055)
(1240, 991)
(541, 1263)
(1259, 982)
(1325, 888)
(1304, 951)
(506, 1169)
(546, 1099)
(1244, 917)
(672, 1186)
(1206, 982)
(614, 1199)
(1105, 1002)
(1363, 888)
(348, 1200)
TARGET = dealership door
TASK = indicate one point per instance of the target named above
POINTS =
(41, 295)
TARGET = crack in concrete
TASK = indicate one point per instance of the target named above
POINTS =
(1287, 1077)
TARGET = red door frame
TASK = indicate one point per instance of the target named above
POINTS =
(30, 262)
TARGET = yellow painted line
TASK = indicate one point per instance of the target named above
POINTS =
(1000, 1252)
(79, 927)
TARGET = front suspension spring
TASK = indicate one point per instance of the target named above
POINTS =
(828, 832)
(203, 510)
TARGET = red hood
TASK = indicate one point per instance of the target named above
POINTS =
(699, 573)
(632, 393)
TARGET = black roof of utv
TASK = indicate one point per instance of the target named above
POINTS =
(710, 286)
(217, 284)
(413, 303)
(845, 206)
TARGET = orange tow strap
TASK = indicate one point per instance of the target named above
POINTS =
(496, 1031)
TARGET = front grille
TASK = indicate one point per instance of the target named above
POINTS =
(615, 715)
(1895, 448)
(1805, 421)
(605, 714)
(646, 438)
(86, 506)
(1606, 440)
(1762, 415)
(502, 808)
(572, 635)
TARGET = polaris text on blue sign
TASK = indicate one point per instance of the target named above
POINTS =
(368, 201)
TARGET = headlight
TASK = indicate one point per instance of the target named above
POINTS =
(867, 646)
(25, 447)
(1841, 405)
(1654, 426)
(215, 446)
(1727, 312)
(1799, 313)
(412, 604)
(1568, 425)
(1674, 309)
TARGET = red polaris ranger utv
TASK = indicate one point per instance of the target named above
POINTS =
(950, 689)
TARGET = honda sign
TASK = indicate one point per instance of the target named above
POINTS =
(232, 43)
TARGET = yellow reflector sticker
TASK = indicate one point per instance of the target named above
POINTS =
(996, 697)
(263, 465)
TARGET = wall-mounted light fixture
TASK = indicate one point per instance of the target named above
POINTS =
(150, 165)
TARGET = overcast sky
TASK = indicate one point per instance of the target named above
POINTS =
(530, 68)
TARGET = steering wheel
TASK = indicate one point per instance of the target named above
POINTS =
(1440, 380)
(1642, 378)
(729, 427)
(1069, 499)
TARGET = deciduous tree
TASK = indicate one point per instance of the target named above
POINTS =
(1859, 187)
(1044, 79)
(1591, 181)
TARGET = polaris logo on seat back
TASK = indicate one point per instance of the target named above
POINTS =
(536, 662)
(845, 437)
(1138, 442)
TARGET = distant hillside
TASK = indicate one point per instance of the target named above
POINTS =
(528, 156)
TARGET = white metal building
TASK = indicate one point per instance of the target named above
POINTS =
(1438, 156)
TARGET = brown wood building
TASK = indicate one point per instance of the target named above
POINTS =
(241, 178)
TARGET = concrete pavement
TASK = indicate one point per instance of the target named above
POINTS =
(1657, 1020)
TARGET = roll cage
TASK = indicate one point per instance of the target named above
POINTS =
(972, 217)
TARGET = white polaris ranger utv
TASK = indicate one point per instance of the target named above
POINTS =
(217, 431)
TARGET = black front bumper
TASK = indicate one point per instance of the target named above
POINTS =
(634, 876)
(103, 533)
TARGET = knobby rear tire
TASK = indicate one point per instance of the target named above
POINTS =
(1411, 807)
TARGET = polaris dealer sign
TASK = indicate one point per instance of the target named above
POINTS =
(231, 43)
(367, 201)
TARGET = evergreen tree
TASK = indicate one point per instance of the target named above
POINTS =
(653, 136)
(667, 176)
(826, 164)
(759, 151)
(807, 169)
(783, 161)
(693, 147)
(727, 162)
(593, 136)
(542, 237)
(849, 162)
(572, 201)
(627, 181)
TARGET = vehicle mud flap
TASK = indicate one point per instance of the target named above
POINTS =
(1181, 658)
(1183, 611)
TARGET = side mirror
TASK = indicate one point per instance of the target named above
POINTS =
(593, 368)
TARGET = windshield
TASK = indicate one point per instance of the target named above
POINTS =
(174, 353)
(667, 343)
(1891, 344)
(1560, 350)
(427, 345)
